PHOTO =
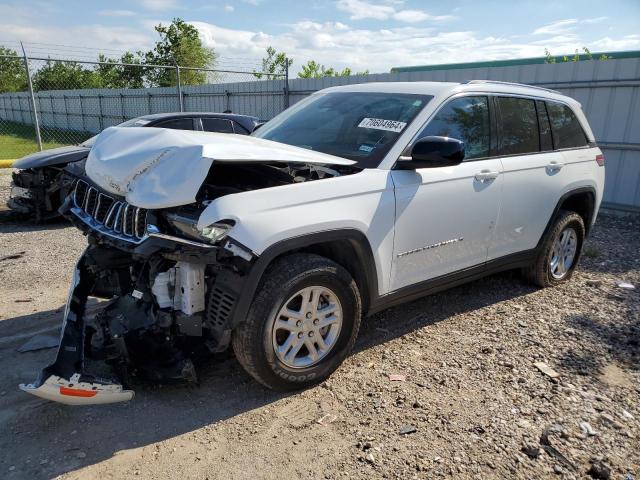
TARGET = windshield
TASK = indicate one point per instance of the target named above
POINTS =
(360, 126)
(134, 122)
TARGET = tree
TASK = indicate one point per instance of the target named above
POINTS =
(121, 76)
(13, 76)
(179, 44)
(314, 69)
(63, 75)
(275, 63)
(587, 55)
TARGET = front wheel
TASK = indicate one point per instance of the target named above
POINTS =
(560, 251)
(302, 323)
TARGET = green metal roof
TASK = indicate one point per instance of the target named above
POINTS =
(508, 63)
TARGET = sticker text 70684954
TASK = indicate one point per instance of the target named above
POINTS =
(382, 124)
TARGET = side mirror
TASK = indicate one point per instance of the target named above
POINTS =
(433, 152)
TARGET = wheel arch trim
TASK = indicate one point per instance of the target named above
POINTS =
(356, 238)
(566, 196)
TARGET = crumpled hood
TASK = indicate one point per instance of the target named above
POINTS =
(55, 156)
(159, 168)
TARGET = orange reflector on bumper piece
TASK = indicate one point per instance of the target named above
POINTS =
(600, 160)
(74, 392)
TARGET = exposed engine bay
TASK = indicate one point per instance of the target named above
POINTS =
(169, 288)
(38, 191)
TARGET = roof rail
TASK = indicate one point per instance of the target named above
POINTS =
(514, 84)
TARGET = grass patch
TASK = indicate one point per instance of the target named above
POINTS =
(18, 139)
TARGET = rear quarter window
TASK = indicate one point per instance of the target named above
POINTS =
(220, 125)
(565, 127)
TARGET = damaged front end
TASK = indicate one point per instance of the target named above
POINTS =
(170, 285)
(168, 302)
(37, 192)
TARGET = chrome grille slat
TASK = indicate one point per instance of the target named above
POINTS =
(109, 215)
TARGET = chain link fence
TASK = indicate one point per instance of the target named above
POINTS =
(47, 103)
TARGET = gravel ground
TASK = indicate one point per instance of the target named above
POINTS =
(469, 402)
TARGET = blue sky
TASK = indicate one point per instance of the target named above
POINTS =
(363, 34)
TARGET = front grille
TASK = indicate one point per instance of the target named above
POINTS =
(113, 216)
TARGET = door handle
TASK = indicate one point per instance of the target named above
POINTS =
(554, 166)
(486, 176)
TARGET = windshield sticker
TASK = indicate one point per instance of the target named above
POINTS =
(382, 124)
(366, 148)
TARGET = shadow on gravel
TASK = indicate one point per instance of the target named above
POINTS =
(620, 341)
(398, 321)
(161, 413)
(11, 222)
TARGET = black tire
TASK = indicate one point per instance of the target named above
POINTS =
(539, 273)
(252, 339)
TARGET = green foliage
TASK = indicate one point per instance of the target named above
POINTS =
(120, 76)
(60, 75)
(577, 56)
(315, 70)
(13, 76)
(274, 63)
(179, 44)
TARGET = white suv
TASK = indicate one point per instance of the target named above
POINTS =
(354, 199)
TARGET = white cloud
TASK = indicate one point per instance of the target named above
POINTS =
(228, 8)
(95, 38)
(555, 28)
(627, 42)
(360, 9)
(116, 13)
(564, 26)
(159, 4)
(594, 20)
(377, 50)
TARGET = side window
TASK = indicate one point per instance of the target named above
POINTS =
(546, 143)
(467, 119)
(517, 126)
(240, 129)
(566, 129)
(221, 125)
(177, 124)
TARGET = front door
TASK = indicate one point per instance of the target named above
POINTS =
(445, 216)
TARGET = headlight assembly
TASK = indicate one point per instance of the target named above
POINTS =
(189, 227)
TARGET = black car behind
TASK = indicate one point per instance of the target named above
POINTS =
(38, 186)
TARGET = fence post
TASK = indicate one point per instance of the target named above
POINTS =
(179, 86)
(286, 83)
(36, 124)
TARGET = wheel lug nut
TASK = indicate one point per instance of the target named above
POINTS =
(300, 335)
(316, 321)
(299, 323)
(311, 334)
(309, 315)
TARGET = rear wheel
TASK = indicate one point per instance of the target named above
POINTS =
(560, 251)
(302, 323)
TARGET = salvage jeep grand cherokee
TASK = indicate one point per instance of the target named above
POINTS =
(355, 199)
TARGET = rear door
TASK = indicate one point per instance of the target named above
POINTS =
(534, 174)
(445, 216)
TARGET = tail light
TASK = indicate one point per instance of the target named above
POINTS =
(600, 160)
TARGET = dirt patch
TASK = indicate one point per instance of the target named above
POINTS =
(469, 402)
